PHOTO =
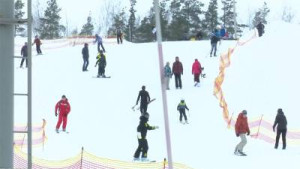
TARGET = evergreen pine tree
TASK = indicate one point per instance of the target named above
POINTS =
(179, 25)
(211, 16)
(18, 15)
(228, 15)
(88, 28)
(50, 27)
(130, 31)
(119, 21)
(260, 15)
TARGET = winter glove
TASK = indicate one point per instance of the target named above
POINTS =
(273, 129)
(237, 135)
(248, 133)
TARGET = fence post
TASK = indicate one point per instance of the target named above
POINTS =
(229, 122)
(81, 158)
(259, 126)
(165, 161)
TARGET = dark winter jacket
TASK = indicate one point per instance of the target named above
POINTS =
(280, 121)
(85, 52)
(101, 60)
(241, 125)
(182, 106)
(260, 27)
(24, 51)
(177, 67)
(144, 96)
(143, 127)
(214, 39)
(119, 33)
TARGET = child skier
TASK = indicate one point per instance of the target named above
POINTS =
(101, 62)
(181, 108)
(142, 129)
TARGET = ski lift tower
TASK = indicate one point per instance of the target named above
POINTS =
(7, 93)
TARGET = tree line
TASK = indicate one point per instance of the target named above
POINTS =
(180, 20)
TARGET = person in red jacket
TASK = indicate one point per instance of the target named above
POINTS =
(64, 108)
(37, 43)
(196, 71)
(241, 129)
(177, 70)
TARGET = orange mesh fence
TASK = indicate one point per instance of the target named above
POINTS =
(38, 135)
(85, 160)
(261, 127)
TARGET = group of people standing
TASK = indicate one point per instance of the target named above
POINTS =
(242, 129)
(24, 50)
(177, 71)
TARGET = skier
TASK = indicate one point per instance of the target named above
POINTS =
(24, 54)
(64, 109)
(142, 129)
(167, 75)
(98, 39)
(214, 40)
(196, 71)
(260, 28)
(119, 36)
(37, 43)
(101, 62)
(85, 55)
(281, 124)
(181, 108)
(241, 129)
(177, 70)
(145, 99)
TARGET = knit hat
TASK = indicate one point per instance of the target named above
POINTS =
(244, 112)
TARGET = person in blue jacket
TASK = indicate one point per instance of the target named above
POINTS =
(98, 39)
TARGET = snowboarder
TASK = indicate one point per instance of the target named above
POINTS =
(213, 41)
(64, 108)
(181, 108)
(101, 62)
(98, 39)
(167, 75)
(241, 129)
(85, 55)
(119, 36)
(260, 28)
(196, 71)
(142, 129)
(281, 124)
(24, 54)
(177, 70)
(145, 99)
(37, 43)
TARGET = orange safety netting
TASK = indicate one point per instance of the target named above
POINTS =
(85, 160)
(263, 128)
(38, 135)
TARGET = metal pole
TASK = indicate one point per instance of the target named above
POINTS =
(235, 24)
(29, 90)
(6, 84)
(163, 84)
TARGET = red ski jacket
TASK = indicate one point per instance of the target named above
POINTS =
(37, 41)
(196, 69)
(241, 125)
(63, 107)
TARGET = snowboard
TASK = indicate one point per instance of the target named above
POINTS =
(106, 77)
(138, 108)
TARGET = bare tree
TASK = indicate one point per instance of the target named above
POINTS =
(287, 14)
(108, 10)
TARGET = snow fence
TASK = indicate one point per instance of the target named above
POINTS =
(85, 160)
(260, 126)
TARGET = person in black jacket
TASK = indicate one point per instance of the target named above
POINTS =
(101, 62)
(145, 99)
(281, 123)
(24, 54)
(213, 41)
(119, 36)
(260, 28)
(142, 129)
(85, 55)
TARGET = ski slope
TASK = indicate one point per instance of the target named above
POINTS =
(262, 77)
